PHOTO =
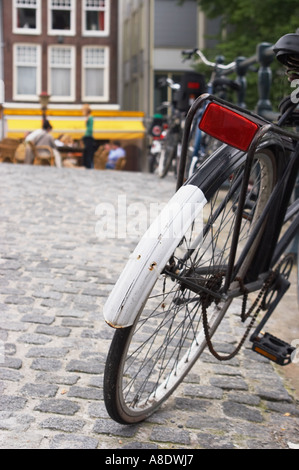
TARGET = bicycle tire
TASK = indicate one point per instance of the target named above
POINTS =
(288, 242)
(153, 162)
(148, 360)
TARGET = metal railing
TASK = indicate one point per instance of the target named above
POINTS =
(264, 56)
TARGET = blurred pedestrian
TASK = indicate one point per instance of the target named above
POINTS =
(88, 137)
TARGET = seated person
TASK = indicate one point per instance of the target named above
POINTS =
(100, 157)
(116, 152)
(42, 137)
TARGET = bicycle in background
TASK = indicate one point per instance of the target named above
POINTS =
(190, 87)
(157, 132)
(201, 145)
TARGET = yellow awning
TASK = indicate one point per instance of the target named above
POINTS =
(115, 128)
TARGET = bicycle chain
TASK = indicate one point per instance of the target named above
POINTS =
(244, 316)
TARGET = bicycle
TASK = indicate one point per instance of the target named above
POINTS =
(172, 133)
(190, 87)
(202, 145)
(213, 245)
(157, 132)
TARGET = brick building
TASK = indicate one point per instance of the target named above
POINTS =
(68, 50)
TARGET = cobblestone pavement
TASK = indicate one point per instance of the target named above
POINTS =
(55, 275)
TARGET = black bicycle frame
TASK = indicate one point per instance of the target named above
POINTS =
(276, 207)
(269, 251)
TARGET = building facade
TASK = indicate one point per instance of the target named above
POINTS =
(67, 48)
(135, 54)
(153, 33)
(66, 52)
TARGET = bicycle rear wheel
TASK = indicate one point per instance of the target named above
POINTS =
(148, 360)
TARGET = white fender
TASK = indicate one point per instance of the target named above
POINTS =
(151, 255)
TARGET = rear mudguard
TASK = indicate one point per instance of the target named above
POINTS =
(151, 255)
(158, 244)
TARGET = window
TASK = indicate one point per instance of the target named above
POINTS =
(62, 73)
(27, 70)
(26, 16)
(96, 14)
(62, 17)
(168, 12)
(95, 73)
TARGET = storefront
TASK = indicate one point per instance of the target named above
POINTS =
(125, 126)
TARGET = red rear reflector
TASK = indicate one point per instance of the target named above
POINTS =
(228, 126)
(193, 85)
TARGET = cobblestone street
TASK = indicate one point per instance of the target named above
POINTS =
(55, 275)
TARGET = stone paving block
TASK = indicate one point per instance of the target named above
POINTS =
(63, 441)
(58, 406)
(39, 390)
(238, 410)
(12, 363)
(46, 364)
(63, 424)
(47, 352)
(85, 393)
(229, 383)
(208, 441)
(11, 375)
(64, 379)
(164, 434)
(52, 331)
(43, 319)
(279, 394)
(204, 391)
(87, 367)
(205, 422)
(12, 403)
(106, 426)
(32, 338)
(17, 440)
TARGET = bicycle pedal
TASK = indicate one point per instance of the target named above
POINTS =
(273, 348)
